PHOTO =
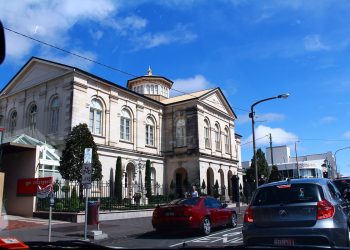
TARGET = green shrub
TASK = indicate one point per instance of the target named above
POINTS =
(59, 206)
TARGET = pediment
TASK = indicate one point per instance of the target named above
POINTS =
(33, 73)
(216, 100)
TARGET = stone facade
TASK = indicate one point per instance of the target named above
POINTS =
(188, 139)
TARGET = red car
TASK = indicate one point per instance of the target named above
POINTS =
(201, 213)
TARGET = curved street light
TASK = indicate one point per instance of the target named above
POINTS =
(251, 115)
(335, 159)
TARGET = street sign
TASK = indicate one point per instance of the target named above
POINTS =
(87, 169)
(88, 155)
(86, 173)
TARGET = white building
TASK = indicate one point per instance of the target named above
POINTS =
(314, 165)
(190, 137)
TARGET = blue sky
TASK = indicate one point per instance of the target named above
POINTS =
(251, 49)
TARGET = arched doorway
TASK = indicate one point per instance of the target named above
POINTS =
(129, 180)
(222, 183)
(181, 182)
(229, 181)
(210, 181)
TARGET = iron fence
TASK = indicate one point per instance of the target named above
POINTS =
(70, 196)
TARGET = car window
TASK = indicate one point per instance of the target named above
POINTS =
(333, 191)
(191, 201)
(212, 203)
(295, 193)
(342, 185)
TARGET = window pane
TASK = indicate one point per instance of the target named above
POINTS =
(122, 120)
(151, 135)
(98, 122)
(91, 120)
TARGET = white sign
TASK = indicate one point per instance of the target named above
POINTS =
(86, 173)
(88, 155)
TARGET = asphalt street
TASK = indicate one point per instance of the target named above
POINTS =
(127, 233)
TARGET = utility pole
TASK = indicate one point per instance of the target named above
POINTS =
(271, 150)
(296, 157)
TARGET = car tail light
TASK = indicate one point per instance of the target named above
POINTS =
(155, 212)
(187, 212)
(248, 215)
(325, 210)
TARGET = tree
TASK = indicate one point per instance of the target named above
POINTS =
(72, 158)
(148, 183)
(263, 167)
(118, 180)
(216, 189)
(275, 174)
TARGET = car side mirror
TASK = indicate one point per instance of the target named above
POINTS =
(224, 205)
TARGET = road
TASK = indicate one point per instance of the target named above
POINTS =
(127, 233)
(138, 233)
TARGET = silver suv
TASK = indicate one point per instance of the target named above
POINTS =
(297, 212)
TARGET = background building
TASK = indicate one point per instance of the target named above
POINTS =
(188, 139)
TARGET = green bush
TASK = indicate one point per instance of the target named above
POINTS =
(59, 206)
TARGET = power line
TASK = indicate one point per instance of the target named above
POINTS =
(255, 140)
(99, 63)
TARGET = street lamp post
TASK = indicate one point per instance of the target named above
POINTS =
(251, 115)
(335, 159)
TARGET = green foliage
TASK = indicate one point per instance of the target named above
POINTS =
(56, 187)
(275, 174)
(59, 206)
(118, 180)
(148, 183)
(216, 189)
(203, 185)
(263, 167)
(72, 158)
(74, 193)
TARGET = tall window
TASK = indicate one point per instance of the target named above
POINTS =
(152, 89)
(13, 121)
(125, 125)
(227, 141)
(217, 137)
(149, 132)
(32, 117)
(180, 133)
(147, 89)
(54, 113)
(153, 181)
(96, 117)
(206, 134)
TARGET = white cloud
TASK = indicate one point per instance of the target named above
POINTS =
(313, 43)
(49, 21)
(126, 24)
(97, 35)
(268, 117)
(189, 85)
(347, 134)
(180, 34)
(279, 136)
(327, 119)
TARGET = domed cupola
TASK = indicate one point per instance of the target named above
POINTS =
(155, 87)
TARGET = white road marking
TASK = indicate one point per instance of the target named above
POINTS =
(204, 239)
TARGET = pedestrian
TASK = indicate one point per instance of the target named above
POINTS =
(194, 192)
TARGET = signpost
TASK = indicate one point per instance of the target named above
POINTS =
(86, 181)
(42, 193)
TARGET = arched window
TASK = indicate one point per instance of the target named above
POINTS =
(206, 133)
(147, 89)
(180, 133)
(13, 121)
(54, 114)
(125, 125)
(96, 117)
(156, 89)
(32, 117)
(227, 141)
(217, 137)
(152, 89)
(149, 131)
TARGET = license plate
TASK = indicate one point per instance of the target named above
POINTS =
(169, 214)
(283, 242)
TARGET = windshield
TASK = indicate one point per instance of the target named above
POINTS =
(154, 123)
(296, 193)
